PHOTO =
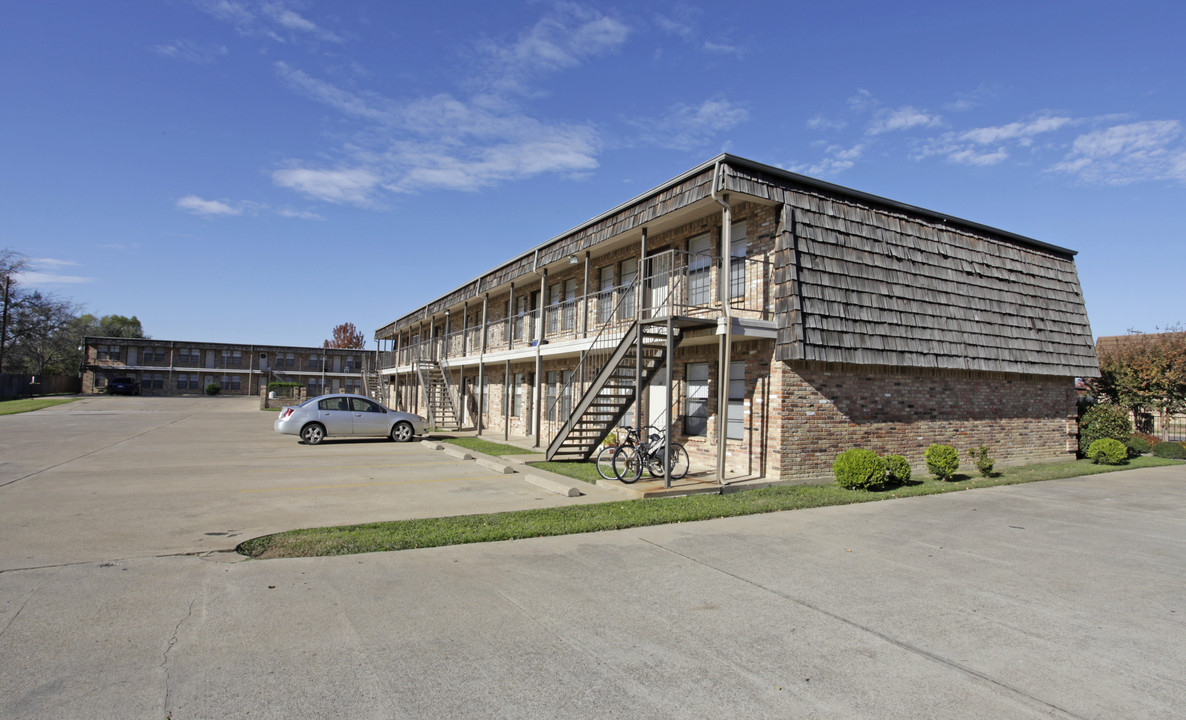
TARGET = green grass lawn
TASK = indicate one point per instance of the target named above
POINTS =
(23, 405)
(572, 519)
(486, 447)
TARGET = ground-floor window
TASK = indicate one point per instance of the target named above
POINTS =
(696, 415)
(551, 389)
(517, 396)
(735, 429)
(187, 382)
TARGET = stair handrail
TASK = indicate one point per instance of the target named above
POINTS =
(582, 369)
(454, 400)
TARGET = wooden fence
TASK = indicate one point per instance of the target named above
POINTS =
(27, 385)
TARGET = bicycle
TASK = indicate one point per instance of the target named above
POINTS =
(605, 457)
(628, 462)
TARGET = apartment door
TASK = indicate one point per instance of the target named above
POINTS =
(658, 282)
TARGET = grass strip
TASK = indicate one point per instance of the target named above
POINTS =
(574, 519)
(12, 407)
(487, 447)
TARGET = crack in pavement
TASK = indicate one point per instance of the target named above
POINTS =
(947, 662)
(164, 666)
(21, 609)
(96, 450)
(200, 554)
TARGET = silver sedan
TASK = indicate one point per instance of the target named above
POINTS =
(347, 416)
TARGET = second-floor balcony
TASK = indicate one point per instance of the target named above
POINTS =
(672, 283)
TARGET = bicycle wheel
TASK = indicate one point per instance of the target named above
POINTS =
(628, 465)
(605, 462)
(679, 461)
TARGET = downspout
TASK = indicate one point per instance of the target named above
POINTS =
(726, 335)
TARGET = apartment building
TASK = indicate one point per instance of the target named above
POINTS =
(768, 321)
(176, 367)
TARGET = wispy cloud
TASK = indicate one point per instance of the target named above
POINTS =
(340, 185)
(207, 208)
(299, 214)
(41, 272)
(683, 24)
(688, 127)
(838, 158)
(1128, 153)
(267, 18)
(903, 118)
(991, 145)
(190, 51)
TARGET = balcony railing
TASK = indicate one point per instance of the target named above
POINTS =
(672, 282)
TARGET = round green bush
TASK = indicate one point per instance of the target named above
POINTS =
(1137, 445)
(213, 389)
(1171, 450)
(1104, 421)
(1108, 451)
(897, 469)
(942, 461)
(858, 469)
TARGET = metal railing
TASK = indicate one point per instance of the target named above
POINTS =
(672, 282)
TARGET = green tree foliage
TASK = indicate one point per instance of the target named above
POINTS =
(1103, 421)
(897, 468)
(346, 336)
(1145, 372)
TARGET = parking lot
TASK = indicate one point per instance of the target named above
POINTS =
(1061, 599)
(117, 477)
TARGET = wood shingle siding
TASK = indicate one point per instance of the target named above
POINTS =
(876, 286)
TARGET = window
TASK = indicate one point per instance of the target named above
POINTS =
(363, 405)
(605, 294)
(696, 414)
(486, 394)
(569, 313)
(735, 430)
(224, 382)
(107, 352)
(626, 304)
(158, 379)
(288, 360)
(555, 295)
(700, 270)
(517, 396)
(236, 357)
(550, 390)
(187, 382)
(152, 355)
(339, 404)
(737, 251)
(188, 357)
(566, 397)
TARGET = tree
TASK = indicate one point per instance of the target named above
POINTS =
(44, 335)
(346, 336)
(11, 264)
(1145, 372)
(118, 326)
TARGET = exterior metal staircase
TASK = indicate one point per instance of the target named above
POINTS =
(641, 352)
(439, 395)
(372, 381)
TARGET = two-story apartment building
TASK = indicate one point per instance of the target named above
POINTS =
(177, 367)
(769, 321)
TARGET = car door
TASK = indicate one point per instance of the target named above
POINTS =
(334, 413)
(369, 418)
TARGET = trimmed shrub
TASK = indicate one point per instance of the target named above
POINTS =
(1104, 421)
(942, 461)
(1171, 450)
(1137, 445)
(897, 469)
(983, 460)
(1108, 451)
(213, 389)
(858, 469)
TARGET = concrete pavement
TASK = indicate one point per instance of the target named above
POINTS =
(1057, 599)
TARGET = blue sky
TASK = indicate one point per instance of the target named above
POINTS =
(260, 171)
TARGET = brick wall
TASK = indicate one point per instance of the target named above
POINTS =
(823, 410)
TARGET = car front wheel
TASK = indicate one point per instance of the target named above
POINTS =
(402, 432)
(312, 433)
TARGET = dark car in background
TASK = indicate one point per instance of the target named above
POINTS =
(123, 386)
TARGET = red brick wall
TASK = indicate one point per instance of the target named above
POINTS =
(824, 410)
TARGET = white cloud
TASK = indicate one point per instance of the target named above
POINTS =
(1132, 152)
(323, 92)
(688, 127)
(969, 156)
(838, 159)
(566, 37)
(39, 272)
(822, 122)
(207, 208)
(903, 118)
(1015, 131)
(272, 19)
(190, 51)
(299, 214)
(347, 185)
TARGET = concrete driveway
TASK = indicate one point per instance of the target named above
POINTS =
(1062, 599)
(117, 477)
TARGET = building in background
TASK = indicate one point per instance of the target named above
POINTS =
(178, 367)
